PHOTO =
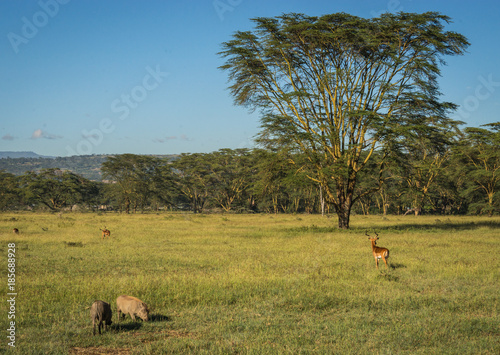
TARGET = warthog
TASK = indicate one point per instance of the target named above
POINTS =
(133, 306)
(100, 311)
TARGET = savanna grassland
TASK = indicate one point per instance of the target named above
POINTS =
(254, 284)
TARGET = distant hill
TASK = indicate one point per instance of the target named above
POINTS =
(88, 166)
(15, 155)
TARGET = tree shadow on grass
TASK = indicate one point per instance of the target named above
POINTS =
(445, 225)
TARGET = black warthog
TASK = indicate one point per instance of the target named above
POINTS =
(100, 311)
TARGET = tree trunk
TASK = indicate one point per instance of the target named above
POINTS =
(127, 205)
(341, 198)
(344, 211)
(344, 218)
(321, 200)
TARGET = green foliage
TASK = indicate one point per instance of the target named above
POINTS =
(479, 156)
(255, 284)
(55, 188)
(9, 191)
(138, 179)
(339, 87)
(194, 179)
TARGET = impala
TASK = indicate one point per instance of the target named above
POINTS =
(105, 233)
(378, 252)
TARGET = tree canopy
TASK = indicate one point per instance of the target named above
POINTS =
(339, 87)
(478, 154)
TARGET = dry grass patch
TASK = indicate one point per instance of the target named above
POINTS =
(98, 351)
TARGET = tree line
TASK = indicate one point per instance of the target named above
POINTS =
(459, 177)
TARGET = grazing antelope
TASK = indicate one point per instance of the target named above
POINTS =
(378, 252)
(105, 233)
(16, 231)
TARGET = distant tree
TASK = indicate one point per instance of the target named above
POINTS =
(272, 170)
(193, 177)
(91, 194)
(53, 188)
(137, 178)
(164, 187)
(339, 87)
(369, 179)
(9, 190)
(230, 176)
(478, 155)
(424, 157)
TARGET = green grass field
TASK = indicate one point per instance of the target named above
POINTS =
(254, 284)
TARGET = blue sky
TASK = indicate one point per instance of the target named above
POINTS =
(112, 77)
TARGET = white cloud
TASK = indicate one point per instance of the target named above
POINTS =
(8, 137)
(41, 134)
(37, 134)
(170, 138)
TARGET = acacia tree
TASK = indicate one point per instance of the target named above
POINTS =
(338, 87)
(137, 178)
(54, 188)
(230, 176)
(193, 172)
(479, 157)
(423, 160)
(9, 190)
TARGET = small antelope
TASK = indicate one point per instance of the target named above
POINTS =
(105, 233)
(16, 231)
(378, 252)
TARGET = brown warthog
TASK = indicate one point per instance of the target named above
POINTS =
(100, 311)
(133, 306)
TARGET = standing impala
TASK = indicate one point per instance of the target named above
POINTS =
(378, 253)
(105, 233)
